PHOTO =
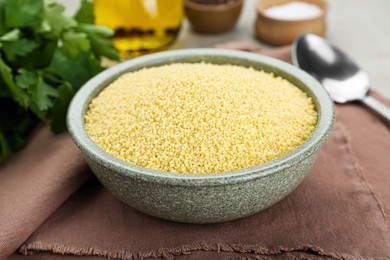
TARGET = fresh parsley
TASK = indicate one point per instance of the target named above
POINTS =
(45, 57)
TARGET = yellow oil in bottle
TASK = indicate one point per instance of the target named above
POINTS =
(141, 26)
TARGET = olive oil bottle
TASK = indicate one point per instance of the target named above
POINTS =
(141, 26)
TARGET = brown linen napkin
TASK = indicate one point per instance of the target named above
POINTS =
(34, 183)
(340, 211)
(334, 213)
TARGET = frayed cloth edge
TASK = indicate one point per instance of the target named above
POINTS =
(170, 253)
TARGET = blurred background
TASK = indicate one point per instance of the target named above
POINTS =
(360, 27)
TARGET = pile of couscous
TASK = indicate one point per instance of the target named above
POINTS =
(200, 118)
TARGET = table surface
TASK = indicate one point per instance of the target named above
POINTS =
(360, 27)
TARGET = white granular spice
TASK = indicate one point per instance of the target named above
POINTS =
(200, 118)
(293, 11)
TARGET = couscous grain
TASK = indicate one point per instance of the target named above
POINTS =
(200, 118)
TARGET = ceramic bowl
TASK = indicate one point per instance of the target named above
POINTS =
(281, 32)
(212, 18)
(202, 198)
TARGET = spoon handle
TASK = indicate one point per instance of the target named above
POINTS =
(377, 106)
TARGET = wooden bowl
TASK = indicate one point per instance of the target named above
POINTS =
(281, 32)
(212, 18)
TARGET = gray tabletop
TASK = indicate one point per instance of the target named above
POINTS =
(360, 27)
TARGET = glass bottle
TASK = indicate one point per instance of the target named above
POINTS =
(141, 26)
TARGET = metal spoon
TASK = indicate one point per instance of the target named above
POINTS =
(338, 73)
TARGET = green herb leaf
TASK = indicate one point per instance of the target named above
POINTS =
(18, 48)
(14, 46)
(60, 108)
(2, 24)
(23, 13)
(17, 93)
(5, 150)
(4, 91)
(16, 124)
(54, 15)
(77, 70)
(85, 13)
(74, 43)
(42, 94)
(39, 57)
(11, 35)
(45, 57)
(100, 42)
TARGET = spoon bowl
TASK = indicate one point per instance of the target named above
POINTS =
(340, 74)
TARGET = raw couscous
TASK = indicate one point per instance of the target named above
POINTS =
(200, 118)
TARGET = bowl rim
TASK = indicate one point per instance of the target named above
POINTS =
(75, 121)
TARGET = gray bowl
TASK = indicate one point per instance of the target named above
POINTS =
(197, 198)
